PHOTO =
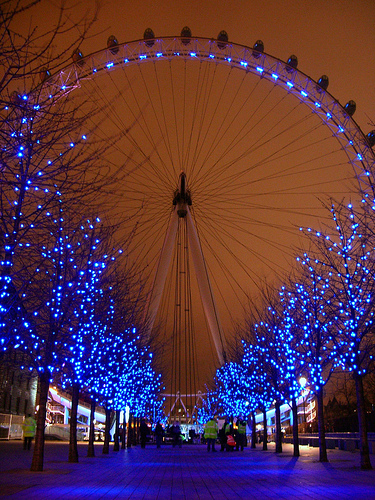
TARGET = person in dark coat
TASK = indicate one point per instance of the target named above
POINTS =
(223, 434)
(143, 429)
(159, 432)
(241, 433)
(176, 434)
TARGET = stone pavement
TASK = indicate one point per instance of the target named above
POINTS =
(187, 473)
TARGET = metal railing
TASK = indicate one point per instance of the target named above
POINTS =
(11, 426)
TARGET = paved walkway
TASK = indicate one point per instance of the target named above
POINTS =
(187, 473)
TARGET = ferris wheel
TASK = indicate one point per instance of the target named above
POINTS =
(224, 152)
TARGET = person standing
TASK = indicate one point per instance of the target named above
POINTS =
(241, 434)
(210, 433)
(28, 427)
(176, 434)
(159, 431)
(143, 429)
(229, 431)
(223, 434)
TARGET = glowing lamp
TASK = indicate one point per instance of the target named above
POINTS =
(149, 37)
(185, 35)
(302, 382)
(112, 44)
(258, 49)
(222, 39)
(350, 107)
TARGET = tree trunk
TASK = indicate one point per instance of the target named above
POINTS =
(279, 446)
(265, 437)
(321, 427)
(38, 455)
(362, 424)
(136, 431)
(91, 447)
(123, 435)
(107, 429)
(129, 438)
(295, 428)
(116, 444)
(253, 431)
(73, 448)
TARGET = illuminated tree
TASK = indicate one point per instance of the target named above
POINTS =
(271, 352)
(89, 309)
(307, 307)
(261, 377)
(45, 155)
(40, 156)
(121, 372)
(348, 255)
(210, 406)
(280, 359)
(291, 362)
(233, 389)
(56, 292)
(262, 394)
(39, 163)
(41, 140)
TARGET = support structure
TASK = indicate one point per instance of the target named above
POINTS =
(179, 398)
(182, 201)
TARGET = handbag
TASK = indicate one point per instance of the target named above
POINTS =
(230, 440)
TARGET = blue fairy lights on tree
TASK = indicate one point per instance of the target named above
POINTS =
(348, 255)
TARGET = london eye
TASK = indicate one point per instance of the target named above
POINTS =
(223, 152)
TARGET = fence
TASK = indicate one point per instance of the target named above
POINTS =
(61, 432)
(11, 426)
(348, 441)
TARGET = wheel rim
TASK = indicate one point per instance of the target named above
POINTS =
(262, 146)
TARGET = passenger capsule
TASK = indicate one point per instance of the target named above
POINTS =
(371, 138)
(323, 83)
(112, 44)
(292, 63)
(77, 57)
(258, 49)
(15, 98)
(185, 35)
(44, 74)
(149, 37)
(222, 39)
(350, 107)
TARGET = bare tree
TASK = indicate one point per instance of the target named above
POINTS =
(307, 305)
(347, 253)
(44, 158)
(26, 58)
(42, 151)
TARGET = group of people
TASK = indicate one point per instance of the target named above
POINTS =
(231, 438)
(174, 431)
